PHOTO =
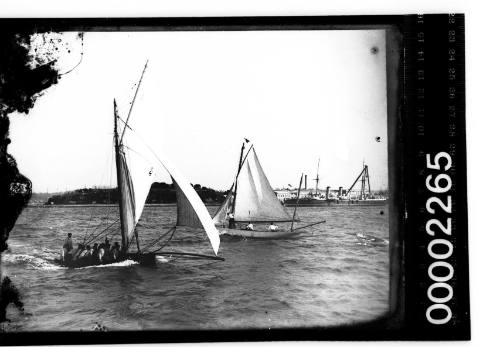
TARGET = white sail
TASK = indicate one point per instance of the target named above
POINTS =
(221, 216)
(136, 168)
(191, 210)
(186, 215)
(255, 199)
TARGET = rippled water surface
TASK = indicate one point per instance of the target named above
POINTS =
(326, 277)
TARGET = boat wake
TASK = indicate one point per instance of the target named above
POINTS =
(370, 240)
(30, 261)
(164, 259)
(124, 263)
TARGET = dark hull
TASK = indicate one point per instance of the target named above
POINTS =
(320, 203)
(147, 259)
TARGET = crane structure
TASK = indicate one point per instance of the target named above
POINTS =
(364, 177)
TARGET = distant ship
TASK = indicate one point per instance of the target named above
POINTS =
(316, 197)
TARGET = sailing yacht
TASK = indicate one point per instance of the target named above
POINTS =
(135, 165)
(251, 200)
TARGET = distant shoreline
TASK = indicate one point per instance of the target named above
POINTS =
(108, 205)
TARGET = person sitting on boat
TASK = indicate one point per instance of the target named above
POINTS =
(83, 252)
(86, 255)
(94, 249)
(100, 253)
(272, 227)
(249, 226)
(67, 246)
(73, 254)
(95, 254)
(108, 251)
(115, 251)
(88, 252)
(77, 251)
(232, 225)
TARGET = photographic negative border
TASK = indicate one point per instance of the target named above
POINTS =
(426, 116)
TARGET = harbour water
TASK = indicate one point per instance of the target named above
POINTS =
(324, 278)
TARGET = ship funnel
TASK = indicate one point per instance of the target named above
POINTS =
(305, 182)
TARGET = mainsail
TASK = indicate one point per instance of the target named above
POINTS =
(255, 200)
(135, 170)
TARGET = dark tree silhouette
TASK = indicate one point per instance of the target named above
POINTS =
(20, 84)
(23, 76)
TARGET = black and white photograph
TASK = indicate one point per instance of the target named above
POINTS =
(179, 178)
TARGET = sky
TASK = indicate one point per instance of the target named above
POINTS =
(299, 96)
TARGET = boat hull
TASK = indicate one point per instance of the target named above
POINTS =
(147, 259)
(254, 234)
(333, 203)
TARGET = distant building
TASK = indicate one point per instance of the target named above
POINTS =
(333, 194)
(283, 194)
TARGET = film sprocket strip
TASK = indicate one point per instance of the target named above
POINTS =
(436, 275)
(429, 290)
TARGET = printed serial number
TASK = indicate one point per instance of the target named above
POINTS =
(439, 248)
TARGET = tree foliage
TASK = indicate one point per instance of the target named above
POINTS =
(27, 68)
(21, 81)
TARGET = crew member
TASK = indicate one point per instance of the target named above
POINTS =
(85, 252)
(76, 253)
(249, 226)
(107, 243)
(115, 251)
(95, 254)
(67, 246)
(232, 225)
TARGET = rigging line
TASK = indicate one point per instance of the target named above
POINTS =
(93, 232)
(92, 212)
(133, 100)
(125, 124)
(237, 174)
(151, 150)
(99, 235)
(106, 217)
(137, 153)
(101, 232)
(243, 161)
(110, 176)
(164, 244)
(171, 230)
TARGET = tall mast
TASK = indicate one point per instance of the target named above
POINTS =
(133, 102)
(296, 202)
(317, 177)
(237, 173)
(368, 179)
(119, 169)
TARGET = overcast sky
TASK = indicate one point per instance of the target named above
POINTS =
(298, 95)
